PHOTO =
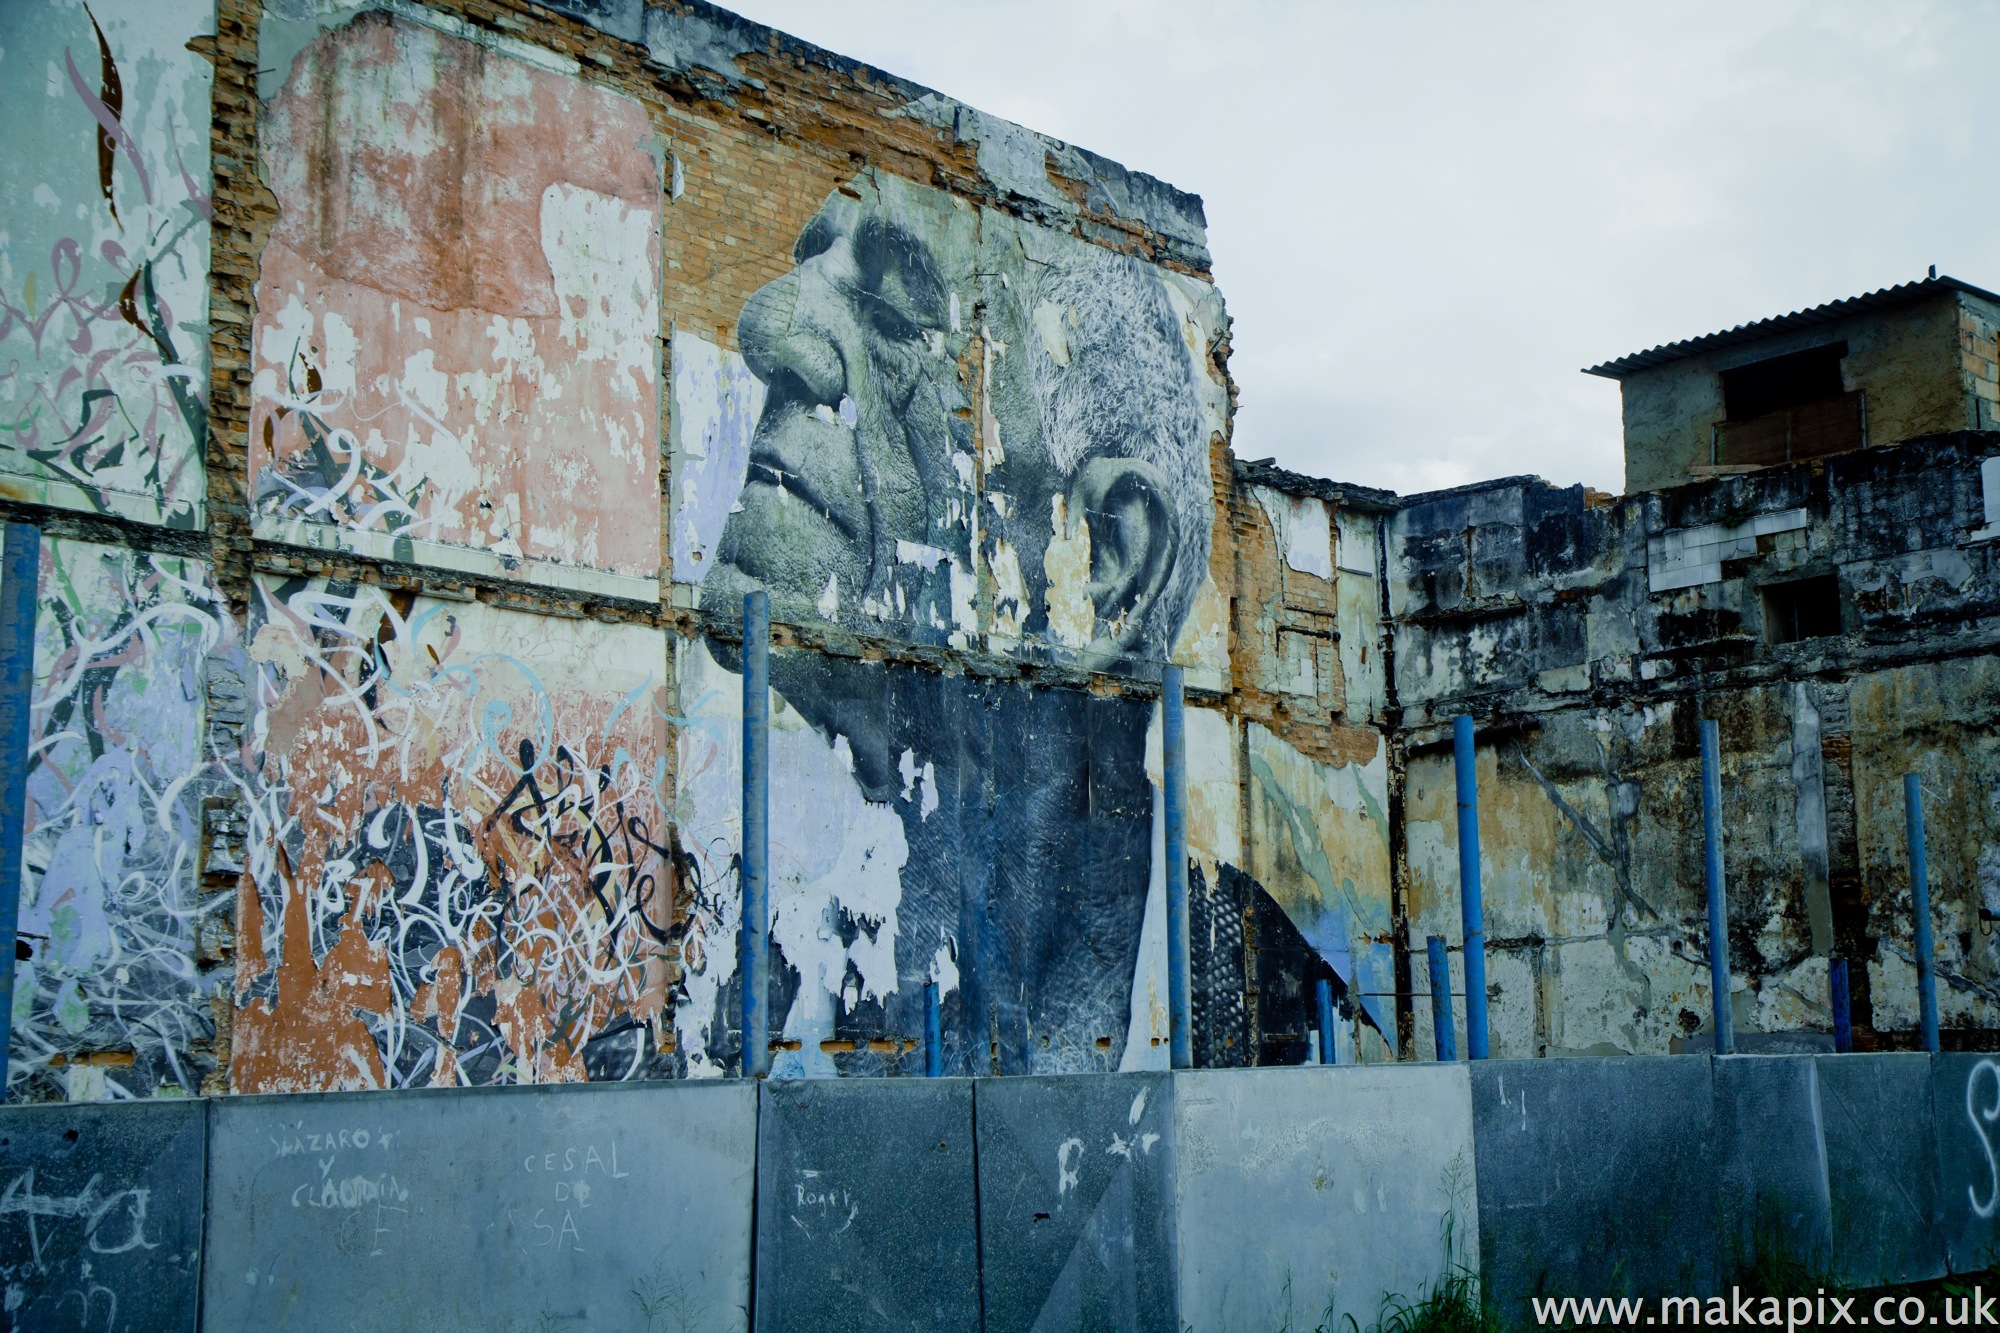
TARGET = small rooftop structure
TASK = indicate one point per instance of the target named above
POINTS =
(1887, 366)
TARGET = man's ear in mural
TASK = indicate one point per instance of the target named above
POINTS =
(1134, 541)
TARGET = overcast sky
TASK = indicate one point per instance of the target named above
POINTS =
(1426, 217)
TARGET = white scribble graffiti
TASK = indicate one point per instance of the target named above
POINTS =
(455, 848)
(1976, 1115)
(109, 912)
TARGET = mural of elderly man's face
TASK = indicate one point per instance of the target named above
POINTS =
(1040, 487)
(857, 423)
(978, 433)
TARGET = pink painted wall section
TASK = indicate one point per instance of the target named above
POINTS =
(458, 313)
(456, 846)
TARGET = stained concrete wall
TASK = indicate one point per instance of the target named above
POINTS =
(1589, 649)
(1306, 1195)
(1217, 1199)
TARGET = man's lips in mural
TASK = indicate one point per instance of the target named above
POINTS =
(803, 516)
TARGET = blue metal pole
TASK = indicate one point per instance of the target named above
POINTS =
(1442, 1028)
(20, 577)
(1471, 905)
(1920, 904)
(1173, 735)
(933, 1032)
(1718, 909)
(1324, 994)
(754, 958)
(1843, 1021)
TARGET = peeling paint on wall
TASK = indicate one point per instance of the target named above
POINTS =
(836, 872)
(1319, 841)
(716, 404)
(104, 258)
(1302, 527)
(456, 335)
(922, 827)
(458, 854)
(109, 1001)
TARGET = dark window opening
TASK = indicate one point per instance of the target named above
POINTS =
(1787, 408)
(1762, 387)
(1802, 609)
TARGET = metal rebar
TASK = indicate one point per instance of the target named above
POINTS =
(1471, 906)
(754, 957)
(1718, 908)
(1173, 737)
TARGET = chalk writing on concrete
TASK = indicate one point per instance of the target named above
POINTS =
(571, 1177)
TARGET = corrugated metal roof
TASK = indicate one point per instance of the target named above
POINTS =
(1887, 298)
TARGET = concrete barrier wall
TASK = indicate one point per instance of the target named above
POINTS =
(101, 1215)
(1965, 1102)
(1209, 1200)
(1594, 1177)
(1881, 1166)
(867, 1216)
(599, 1206)
(1307, 1194)
(1772, 1200)
(1076, 1221)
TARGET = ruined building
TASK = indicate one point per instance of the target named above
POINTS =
(407, 392)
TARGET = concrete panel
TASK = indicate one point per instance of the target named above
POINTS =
(1075, 1193)
(1965, 1099)
(1309, 1193)
(1881, 1167)
(1770, 1162)
(1881, 1164)
(100, 1221)
(601, 1207)
(866, 1217)
(1592, 1177)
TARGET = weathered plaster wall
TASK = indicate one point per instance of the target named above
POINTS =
(454, 335)
(104, 258)
(457, 845)
(1589, 642)
(540, 333)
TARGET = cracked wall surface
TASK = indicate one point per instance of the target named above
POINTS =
(1589, 650)
(409, 393)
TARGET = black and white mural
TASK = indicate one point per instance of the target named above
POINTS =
(951, 427)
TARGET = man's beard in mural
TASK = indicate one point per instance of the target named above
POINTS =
(1045, 430)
